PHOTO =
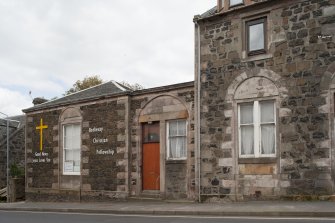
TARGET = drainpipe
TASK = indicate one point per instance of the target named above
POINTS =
(198, 78)
(7, 161)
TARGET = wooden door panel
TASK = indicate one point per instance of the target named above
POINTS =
(151, 167)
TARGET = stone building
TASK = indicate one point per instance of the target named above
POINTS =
(16, 146)
(264, 86)
(108, 142)
(257, 122)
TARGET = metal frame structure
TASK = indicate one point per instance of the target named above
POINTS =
(7, 153)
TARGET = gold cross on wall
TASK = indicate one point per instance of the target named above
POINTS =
(41, 127)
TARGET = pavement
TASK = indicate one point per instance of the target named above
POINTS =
(250, 208)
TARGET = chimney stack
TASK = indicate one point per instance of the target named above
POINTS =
(220, 5)
(38, 101)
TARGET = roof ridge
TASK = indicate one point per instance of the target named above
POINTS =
(118, 85)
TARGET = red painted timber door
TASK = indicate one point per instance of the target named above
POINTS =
(151, 157)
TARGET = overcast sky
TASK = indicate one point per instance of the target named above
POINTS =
(46, 45)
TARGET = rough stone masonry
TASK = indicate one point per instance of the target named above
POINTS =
(296, 71)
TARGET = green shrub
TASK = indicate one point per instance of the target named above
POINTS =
(16, 171)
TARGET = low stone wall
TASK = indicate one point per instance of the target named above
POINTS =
(52, 195)
(16, 189)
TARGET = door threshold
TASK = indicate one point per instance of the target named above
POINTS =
(151, 192)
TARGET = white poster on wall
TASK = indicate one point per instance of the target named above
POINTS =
(68, 166)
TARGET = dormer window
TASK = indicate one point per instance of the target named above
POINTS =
(236, 2)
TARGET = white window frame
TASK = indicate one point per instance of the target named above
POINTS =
(257, 130)
(73, 172)
(168, 140)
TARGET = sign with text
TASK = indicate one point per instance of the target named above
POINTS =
(100, 140)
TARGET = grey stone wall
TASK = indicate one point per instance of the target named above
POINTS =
(176, 183)
(103, 163)
(111, 169)
(178, 176)
(40, 172)
(300, 52)
(105, 171)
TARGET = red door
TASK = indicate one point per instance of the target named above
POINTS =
(151, 157)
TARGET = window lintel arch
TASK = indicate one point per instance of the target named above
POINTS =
(255, 72)
(70, 114)
(255, 87)
(147, 114)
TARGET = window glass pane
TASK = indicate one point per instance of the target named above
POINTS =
(173, 128)
(235, 2)
(256, 37)
(181, 128)
(76, 131)
(177, 139)
(68, 155)
(72, 148)
(267, 111)
(182, 141)
(68, 166)
(247, 140)
(268, 139)
(76, 154)
(76, 166)
(173, 147)
(67, 136)
(150, 132)
(76, 139)
(177, 147)
(246, 116)
(67, 142)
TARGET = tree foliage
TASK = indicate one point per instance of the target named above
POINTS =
(87, 82)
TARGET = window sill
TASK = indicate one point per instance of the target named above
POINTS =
(247, 58)
(176, 161)
(261, 160)
(71, 174)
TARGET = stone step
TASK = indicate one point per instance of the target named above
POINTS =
(3, 192)
(149, 195)
(144, 199)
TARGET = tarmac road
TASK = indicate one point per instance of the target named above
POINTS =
(49, 217)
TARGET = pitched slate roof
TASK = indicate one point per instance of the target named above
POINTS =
(209, 13)
(106, 89)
